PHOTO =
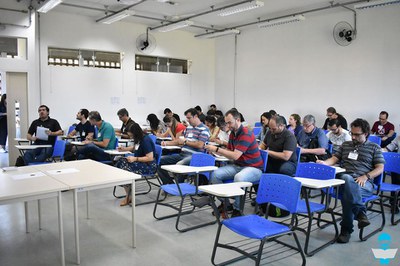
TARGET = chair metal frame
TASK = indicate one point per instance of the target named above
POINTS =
(392, 164)
(58, 152)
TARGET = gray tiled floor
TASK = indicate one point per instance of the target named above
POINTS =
(105, 238)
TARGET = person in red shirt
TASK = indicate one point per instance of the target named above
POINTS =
(384, 129)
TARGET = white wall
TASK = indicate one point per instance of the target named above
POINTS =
(67, 89)
(298, 68)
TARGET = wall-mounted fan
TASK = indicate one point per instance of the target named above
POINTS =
(343, 33)
(146, 43)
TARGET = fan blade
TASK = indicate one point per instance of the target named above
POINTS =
(145, 45)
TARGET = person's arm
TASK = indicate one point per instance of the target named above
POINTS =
(73, 133)
(31, 137)
(233, 155)
(129, 148)
(316, 151)
(378, 169)
(102, 144)
(144, 159)
(389, 135)
(331, 161)
(285, 155)
(55, 133)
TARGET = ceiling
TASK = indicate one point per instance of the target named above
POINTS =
(154, 13)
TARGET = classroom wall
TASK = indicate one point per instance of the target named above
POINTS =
(67, 89)
(298, 67)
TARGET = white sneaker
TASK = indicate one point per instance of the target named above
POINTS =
(2, 150)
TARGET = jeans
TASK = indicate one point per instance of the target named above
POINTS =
(352, 194)
(91, 151)
(239, 174)
(177, 158)
(37, 155)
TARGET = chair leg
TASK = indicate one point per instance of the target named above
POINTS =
(303, 257)
(216, 242)
(395, 205)
(364, 238)
(114, 193)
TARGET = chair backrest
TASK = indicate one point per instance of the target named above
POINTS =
(59, 149)
(153, 138)
(264, 155)
(375, 139)
(330, 148)
(298, 153)
(202, 159)
(392, 162)
(158, 154)
(116, 143)
(96, 131)
(326, 131)
(257, 124)
(256, 131)
(315, 171)
(281, 190)
(71, 128)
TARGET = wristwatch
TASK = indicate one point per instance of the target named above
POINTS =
(184, 143)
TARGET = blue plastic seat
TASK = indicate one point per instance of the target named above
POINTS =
(110, 162)
(277, 189)
(392, 165)
(58, 153)
(257, 124)
(153, 138)
(71, 128)
(256, 131)
(184, 190)
(375, 139)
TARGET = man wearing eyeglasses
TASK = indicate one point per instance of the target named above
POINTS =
(52, 130)
(363, 161)
(384, 129)
(332, 114)
(127, 123)
(337, 135)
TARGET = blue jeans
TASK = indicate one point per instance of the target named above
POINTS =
(91, 151)
(352, 194)
(177, 158)
(238, 174)
(37, 155)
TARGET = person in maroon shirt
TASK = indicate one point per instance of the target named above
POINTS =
(384, 129)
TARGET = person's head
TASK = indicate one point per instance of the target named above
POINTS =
(294, 120)
(331, 113)
(137, 132)
(221, 124)
(334, 126)
(308, 123)
(192, 117)
(213, 107)
(153, 121)
(359, 131)
(3, 101)
(168, 112)
(170, 121)
(210, 121)
(198, 108)
(272, 112)
(383, 117)
(94, 118)
(43, 111)
(264, 118)
(219, 113)
(123, 115)
(211, 112)
(232, 119)
(277, 124)
(82, 114)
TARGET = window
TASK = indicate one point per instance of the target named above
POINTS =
(83, 58)
(13, 48)
(161, 64)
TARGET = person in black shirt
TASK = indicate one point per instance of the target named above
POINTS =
(127, 123)
(332, 114)
(84, 129)
(53, 130)
(169, 113)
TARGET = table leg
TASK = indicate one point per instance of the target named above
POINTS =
(60, 228)
(87, 205)
(76, 224)
(133, 215)
(26, 217)
(39, 215)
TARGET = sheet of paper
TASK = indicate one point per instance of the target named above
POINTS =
(27, 176)
(63, 171)
(41, 133)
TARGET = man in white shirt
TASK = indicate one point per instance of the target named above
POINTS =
(337, 135)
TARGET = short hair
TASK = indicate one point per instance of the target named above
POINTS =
(363, 124)
(211, 112)
(219, 113)
(331, 110)
(84, 112)
(280, 120)
(213, 106)
(166, 119)
(309, 119)
(198, 108)
(122, 112)
(167, 110)
(334, 122)
(45, 106)
(297, 118)
(192, 111)
(384, 113)
(233, 112)
(94, 115)
(211, 119)
(221, 122)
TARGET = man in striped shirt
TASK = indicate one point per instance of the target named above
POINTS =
(363, 161)
(243, 150)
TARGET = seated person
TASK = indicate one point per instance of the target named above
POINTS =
(337, 135)
(243, 150)
(174, 128)
(94, 149)
(211, 123)
(194, 138)
(202, 116)
(294, 124)
(169, 113)
(264, 119)
(313, 141)
(332, 114)
(281, 146)
(143, 161)
(224, 132)
(384, 129)
(53, 130)
(156, 125)
(127, 122)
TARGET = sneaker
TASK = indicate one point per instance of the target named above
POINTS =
(344, 237)
(2, 150)
(362, 220)
(236, 213)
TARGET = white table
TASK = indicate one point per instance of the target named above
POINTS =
(319, 184)
(125, 141)
(171, 147)
(26, 184)
(117, 152)
(164, 138)
(78, 143)
(23, 148)
(22, 140)
(86, 175)
(226, 190)
(186, 169)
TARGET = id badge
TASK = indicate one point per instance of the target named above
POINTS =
(99, 135)
(83, 133)
(190, 135)
(353, 155)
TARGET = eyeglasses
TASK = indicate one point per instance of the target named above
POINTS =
(356, 134)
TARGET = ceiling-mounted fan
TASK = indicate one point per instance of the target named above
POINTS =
(146, 43)
(343, 33)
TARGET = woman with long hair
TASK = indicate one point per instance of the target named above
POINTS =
(143, 160)
(3, 123)
(174, 128)
(264, 120)
(156, 125)
(211, 123)
(294, 124)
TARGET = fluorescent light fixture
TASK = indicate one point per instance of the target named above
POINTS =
(49, 5)
(218, 34)
(175, 26)
(240, 8)
(116, 17)
(281, 21)
(378, 3)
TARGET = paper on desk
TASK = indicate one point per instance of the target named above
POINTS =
(41, 133)
(29, 175)
(63, 171)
